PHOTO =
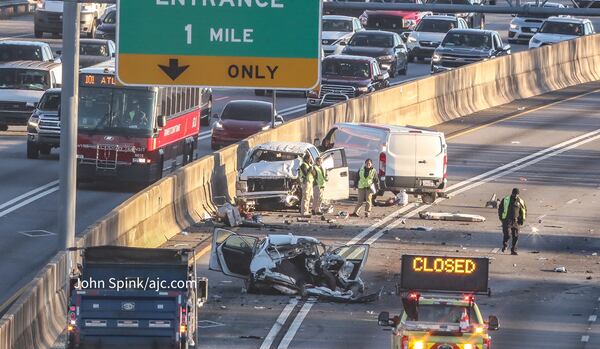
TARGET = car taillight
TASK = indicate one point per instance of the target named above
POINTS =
(446, 165)
(404, 342)
(182, 319)
(382, 163)
(487, 343)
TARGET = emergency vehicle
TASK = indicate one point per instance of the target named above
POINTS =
(132, 133)
(438, 296)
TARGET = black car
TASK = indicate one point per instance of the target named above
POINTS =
(475, 20)
(107, 24)
(344, 77)
(465, 46)
(94, 51)
(387, 47)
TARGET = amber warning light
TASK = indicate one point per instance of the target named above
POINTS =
(447, 274)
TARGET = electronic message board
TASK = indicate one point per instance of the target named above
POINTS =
(446, 274)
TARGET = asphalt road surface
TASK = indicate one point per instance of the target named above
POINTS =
(552, 154)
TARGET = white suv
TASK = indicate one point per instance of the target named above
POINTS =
(429, 33)
(556, 29)
(337, 29)
(523, 28)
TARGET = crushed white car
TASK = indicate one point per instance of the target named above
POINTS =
(269, 173)
(292, 265)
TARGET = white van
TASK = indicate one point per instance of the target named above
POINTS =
(406, 158)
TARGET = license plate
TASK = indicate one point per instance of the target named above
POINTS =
(427, 183)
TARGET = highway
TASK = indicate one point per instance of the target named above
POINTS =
(552, 154)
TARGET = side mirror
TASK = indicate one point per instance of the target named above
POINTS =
(384, 319)
(382, 76)
(215, 116)
(493, 324)
(343, 43)
(316, 142)
(506, 48)
(162, 121)
(98, 21)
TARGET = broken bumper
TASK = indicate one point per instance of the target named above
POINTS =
(286, 199)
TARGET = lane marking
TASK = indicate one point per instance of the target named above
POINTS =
(461, 133)
(17, 36)
(592, 318)
(279, 324)
(571, 201)
(287, 339)
(27, 194)
(542, 155)
(28, 201)
(495, 250)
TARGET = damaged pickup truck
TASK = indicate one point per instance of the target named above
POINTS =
(269, 173)
(292, 265)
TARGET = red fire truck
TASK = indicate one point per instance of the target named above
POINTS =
(135, 134)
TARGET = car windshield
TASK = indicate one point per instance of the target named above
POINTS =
(20, 53)
(247, 112)
(50, 101)
(435, 26)
(441, 313)
(337, 25)
(480, 41)
(562, 28)
(379, 22)
(372, 40)
(116, 110)
(93, 49)
(24, 79)
(347, 68)
(270, 156)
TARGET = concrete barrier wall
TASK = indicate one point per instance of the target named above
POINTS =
(159, 212)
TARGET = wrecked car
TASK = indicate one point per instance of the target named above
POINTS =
(292, 265)
(269, 173)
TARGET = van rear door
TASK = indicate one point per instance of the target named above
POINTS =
(400, 160)
(430, 152)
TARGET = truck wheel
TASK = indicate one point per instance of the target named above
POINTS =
(428, 198)
(45, 149)
(38, 34)
(3, 127)
(32, 150)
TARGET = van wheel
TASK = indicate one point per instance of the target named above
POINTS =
(45, 149)
(32, 150)
(428, 198)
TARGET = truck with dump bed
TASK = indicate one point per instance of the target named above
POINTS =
(126, 297)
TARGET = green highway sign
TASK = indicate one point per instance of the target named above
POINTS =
(270, 44)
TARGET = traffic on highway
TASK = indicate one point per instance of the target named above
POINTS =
(274, 174)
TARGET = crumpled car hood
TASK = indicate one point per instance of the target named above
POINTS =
(287, 168)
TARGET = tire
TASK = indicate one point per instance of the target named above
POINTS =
(3, 127)
(45, 149)
(428, 198)
(38, 34)
(403, 70)
(206, 121)
(32, 150)
(394, 70)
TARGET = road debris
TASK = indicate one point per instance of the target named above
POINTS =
(230, 215)
(444, 216)
(402, 198)
(343, 214)
(492, 202)
(421, 228)
(560, 269)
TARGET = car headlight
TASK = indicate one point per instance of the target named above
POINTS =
(364, 89)
(242, 186)
(218, 125)
(409, 23)
(436, 58)
(34, 120)
(514, 26)
(41, 5)
(418, 345)
(266, 127)
(386, 58)
(411, 39)
(535, 41)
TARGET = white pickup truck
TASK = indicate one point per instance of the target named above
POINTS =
(48, 18)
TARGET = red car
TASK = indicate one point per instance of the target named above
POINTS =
(394, 21)
(241, 119)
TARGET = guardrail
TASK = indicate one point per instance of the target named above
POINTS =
(162, 210)
(9, 8)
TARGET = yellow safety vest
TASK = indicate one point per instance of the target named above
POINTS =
(506, 203)
(365, 182)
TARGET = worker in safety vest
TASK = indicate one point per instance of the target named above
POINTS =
(318, 186)
(366, 188)
(306, 178)
(512, 213)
